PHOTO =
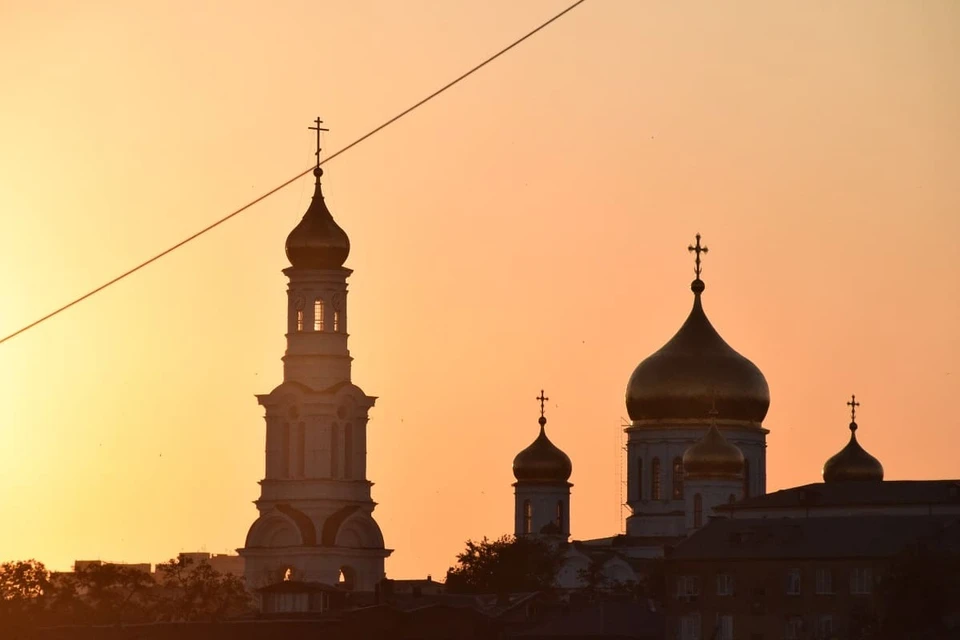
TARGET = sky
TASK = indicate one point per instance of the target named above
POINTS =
(526, 230)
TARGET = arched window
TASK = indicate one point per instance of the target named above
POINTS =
(348, 578)
(639, 478)
(678, 478)
(560, 515)
(655, 479)
(347, 450)
(336, 321)
(746, 479)
(697, 511)
(527, 517)
(285, 450)
(299, 319)
(301, 453)
(318, 315)
(334, 450)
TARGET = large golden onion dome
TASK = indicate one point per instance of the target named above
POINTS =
(852, 462)
(680, 381)
(542, 461)
(317, 242)
(713, 457)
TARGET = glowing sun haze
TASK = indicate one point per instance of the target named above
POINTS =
(527, 230)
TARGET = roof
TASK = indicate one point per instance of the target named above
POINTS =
(839, 494)
(808, 538)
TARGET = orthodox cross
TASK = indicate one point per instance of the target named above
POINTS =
(542, 400)
(698, 250)
(318, 129)
(853, 404)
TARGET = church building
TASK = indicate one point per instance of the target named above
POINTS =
(315, 519)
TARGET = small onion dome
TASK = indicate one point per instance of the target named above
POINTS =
(852, 463)
(695, 368)
(317, 242)
(542, 461)
(713, 457)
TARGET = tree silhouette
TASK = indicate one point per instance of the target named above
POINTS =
(505, 565)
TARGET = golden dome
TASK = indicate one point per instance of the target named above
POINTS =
(317, 242)
(542, 461)
(852, 463)
(713, 457)
(681, 380)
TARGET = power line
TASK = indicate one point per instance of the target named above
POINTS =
(294, 178)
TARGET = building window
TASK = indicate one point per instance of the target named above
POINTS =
(299, 319)
(527, 517)
(336, 321)
(655, 479)
(688, 588)
(824, 584)
(560, 515)
(318, 315)
(861, 581)
(678, 478)
(334, 450)
(746, 479)
(793, 628)
(724, 629)
(348, 450)
(724, 584)
(697, 511)
(793, 582)
(825, 626)
(639, 478)
(690, 627)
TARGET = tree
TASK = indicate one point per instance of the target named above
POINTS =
(196, 591)
(505, 565)
(24, 587)
(110, 594)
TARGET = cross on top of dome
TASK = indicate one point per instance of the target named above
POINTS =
(698, 250)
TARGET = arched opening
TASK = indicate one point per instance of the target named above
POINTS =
(288, 574)
(318, 315)
(285, 450)
(334, 450)
(347, 451)
(348, 578)
(639, 478)
(527, 517)
(746, 479)
(655, 479)
(678, 478)
(697, 511)
(560, 515)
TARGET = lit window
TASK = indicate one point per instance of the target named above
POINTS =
(793, 582)
(655, 479)
(560, 515)
(746, 479)
(824, 584)
(697, 511)
(724, 584)
(336, 321)
(678, 478)
(639, 478)
(861, 581)
(299, 319)
(318, 315)
(527, 517)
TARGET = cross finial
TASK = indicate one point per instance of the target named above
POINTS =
(853, 404)
(698, 250)
(318, 129)
(542, 400)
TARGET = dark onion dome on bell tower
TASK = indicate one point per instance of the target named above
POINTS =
(852, 462)
(713, 456)
(317, 242)
(678, 381)
(542, 461)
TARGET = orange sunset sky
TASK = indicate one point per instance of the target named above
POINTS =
(527, 229)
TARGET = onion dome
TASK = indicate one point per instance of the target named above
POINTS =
(713, 457)
(317, 242)
(681, 380)
(542, 461)
(852, 462)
